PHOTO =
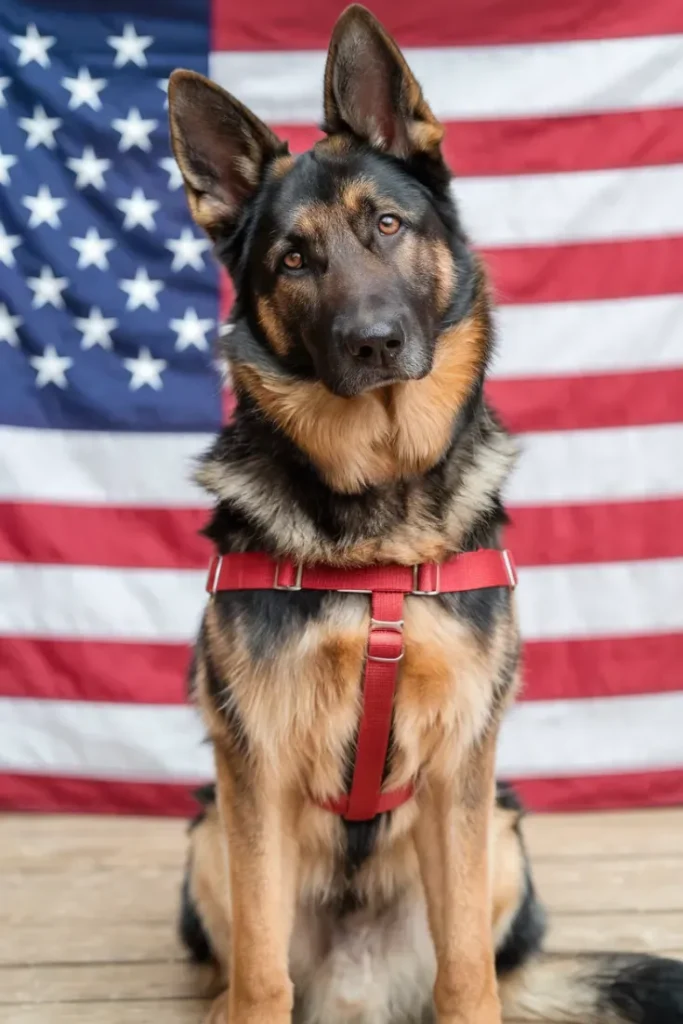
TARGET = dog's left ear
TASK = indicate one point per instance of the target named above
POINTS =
(371, 91)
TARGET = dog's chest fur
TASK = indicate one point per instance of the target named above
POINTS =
(278, 674)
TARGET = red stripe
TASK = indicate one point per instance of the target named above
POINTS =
(619, 531)
(587, 142)
(581, 271)
(603, 792)
(604, 667)
(94, 670)
(51, 794)
(307, 24)
(543, 535)
(590, 270)
(103, 535)
(129, 673)
(587, 402)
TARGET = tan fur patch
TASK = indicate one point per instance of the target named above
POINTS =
(272, 326)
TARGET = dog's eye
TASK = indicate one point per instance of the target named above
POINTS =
(293, 260)
(388, 224)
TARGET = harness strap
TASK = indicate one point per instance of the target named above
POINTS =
(387, 586)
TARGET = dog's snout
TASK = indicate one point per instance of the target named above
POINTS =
(375, 345)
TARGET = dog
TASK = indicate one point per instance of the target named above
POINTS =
(361, 446)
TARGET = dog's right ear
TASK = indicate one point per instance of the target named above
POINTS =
(222, 149)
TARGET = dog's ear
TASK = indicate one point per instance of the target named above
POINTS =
(222, 149)
(371, 91)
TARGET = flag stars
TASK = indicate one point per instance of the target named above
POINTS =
(47, 289)
(191, 331)
(141, 290)
(8, 326)
(187, 250)
(45, 208)
(4, 82)
(95, 328)
(134, 130)
(89, 169)
(51, 368)
(7, 161)
(84, 90)
(138, 210)
(92, 250)
(33, 47)
(145, 370)
(8, 244)
(163, 85)
(130, 47)
(175, 178)
(40, 129)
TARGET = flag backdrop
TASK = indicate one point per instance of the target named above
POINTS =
(565, 128)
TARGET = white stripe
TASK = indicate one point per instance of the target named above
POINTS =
(602, 599)
(584, 737)
(164, 605)
(478, 81)
(153, 469)
(142, 742)
(163, 743)
(611, 464)
(539, 209)
(97, 468)
(589, 337)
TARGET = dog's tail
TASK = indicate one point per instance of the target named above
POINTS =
(602, 988)
(599, 989)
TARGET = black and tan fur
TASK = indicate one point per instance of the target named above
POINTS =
(358, 347)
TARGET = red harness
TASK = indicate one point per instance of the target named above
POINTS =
(387, 585)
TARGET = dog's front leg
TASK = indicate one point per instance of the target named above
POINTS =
(452, 838)
(257, 824)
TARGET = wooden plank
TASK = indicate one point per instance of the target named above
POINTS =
(188, 1011)
(67, 942)
(647, 833)
(618, 884)
(624, 933)
(101, 982)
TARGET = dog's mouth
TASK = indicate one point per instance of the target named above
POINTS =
(362, 380)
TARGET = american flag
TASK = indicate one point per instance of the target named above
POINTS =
(565, 129)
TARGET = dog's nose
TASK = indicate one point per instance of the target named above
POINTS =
(378, 345)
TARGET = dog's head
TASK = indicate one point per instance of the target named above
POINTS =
(348, 261)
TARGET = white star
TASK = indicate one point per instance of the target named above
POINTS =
(40, 129)
(145, 370)
(191, 331)
(89, 170)
(92, 250)
(163, 85)
(47, 289)
(134, 130)
(141, 291)
(4, 82)
(187, 250)
(33, 46)
(95, 328)
(175, 178)
(7, 245)
(8, 326)
(51, 367)
(6, 161)
(44, 208)
(138, 210)
(130, 47)
(84, 89)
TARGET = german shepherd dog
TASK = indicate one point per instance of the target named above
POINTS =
(358, 346)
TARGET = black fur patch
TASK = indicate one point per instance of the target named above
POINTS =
(526, 933)
(270, 617)
(190, 927)
(219, 691)
(642, 989)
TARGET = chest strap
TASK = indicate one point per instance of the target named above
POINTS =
(387, 586)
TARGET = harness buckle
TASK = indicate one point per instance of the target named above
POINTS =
(416, 580)
(507, 562)
(296, 585)
(217, 574)
(394, 626)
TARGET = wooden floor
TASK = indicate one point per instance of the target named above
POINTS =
(88, 905)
